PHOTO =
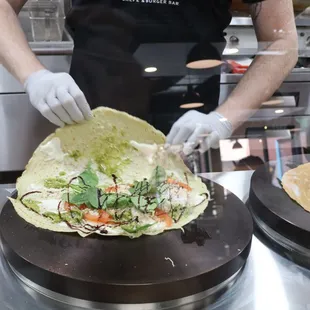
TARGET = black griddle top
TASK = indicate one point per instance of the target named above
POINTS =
(274, 207)
(120, 270)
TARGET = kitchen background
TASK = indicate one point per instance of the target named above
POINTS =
(279, 128)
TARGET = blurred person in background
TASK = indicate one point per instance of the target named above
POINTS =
(104, 71)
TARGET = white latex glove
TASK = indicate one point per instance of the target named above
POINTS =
(195, 128)
(57, 97)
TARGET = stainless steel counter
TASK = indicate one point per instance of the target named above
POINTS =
(268, 281)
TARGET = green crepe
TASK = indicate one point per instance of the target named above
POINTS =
(115, 175)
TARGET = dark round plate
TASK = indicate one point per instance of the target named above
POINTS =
(158, 268)
(274, 207)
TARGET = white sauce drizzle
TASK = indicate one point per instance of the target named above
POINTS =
(148, 150)
(50, 205)
(52, 150)
(170, 260)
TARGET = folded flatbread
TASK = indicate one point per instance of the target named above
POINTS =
(110, 176)
(296, 182)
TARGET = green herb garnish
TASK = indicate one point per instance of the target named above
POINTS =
(115, 201)
(158, 177)
(86, 191)
(140, 188)
(88, 197)
(109, 153)
(56, 183)
(141, 193)
(76, 154)
(89, 177)
(178, 212)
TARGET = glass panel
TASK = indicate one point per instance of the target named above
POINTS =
(227, 84)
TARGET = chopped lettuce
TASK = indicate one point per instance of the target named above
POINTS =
(124, 215)
(74, 216)
(134, 228)
(32, 204)
(53, 216)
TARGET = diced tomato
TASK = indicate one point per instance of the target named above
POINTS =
(181, 184)
(91, 217)
(164, 217)
(68, 206)
(159, 212)
(83, 206)
(102, 217)
(111, 189)
(167, 219)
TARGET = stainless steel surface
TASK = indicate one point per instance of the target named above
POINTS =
(294, 96)
(55, 56)
(297, 75)
(47, 20)
(67, 6)
(62, 47)
(3, 195)
(268, 281)
(241, 28)
(301, 21)
(22, 128)
(281, 240)
(186, 303)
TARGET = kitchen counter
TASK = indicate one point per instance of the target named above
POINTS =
(268, 282)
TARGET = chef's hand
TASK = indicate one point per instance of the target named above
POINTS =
(57, 97)
(195, 128)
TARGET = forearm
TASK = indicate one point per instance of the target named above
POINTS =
(262, 79)
(15, 53)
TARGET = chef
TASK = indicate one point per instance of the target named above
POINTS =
(104, 72)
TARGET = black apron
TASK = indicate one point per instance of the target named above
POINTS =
(108, 32)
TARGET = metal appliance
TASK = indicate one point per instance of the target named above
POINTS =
(293, 96)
